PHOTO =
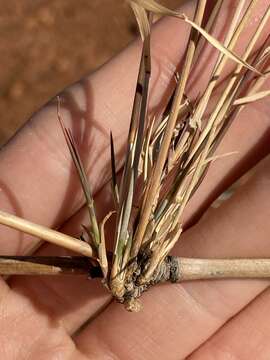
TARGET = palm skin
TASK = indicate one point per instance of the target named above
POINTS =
(42, 317)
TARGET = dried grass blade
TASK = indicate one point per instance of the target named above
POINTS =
(143, 107)
(154, 183)
(214, 158)
(214, 42)
(153, 6)
(147, 155)
(115, 189)
(220, 106)
(142, 20)
(102, 253)
(135, 143)
(251, 98)
(233, 27)
(231, 40)
(217, 117)
(83, 179)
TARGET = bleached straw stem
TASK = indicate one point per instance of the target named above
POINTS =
(52, 236)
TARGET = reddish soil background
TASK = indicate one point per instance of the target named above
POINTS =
(46, 45)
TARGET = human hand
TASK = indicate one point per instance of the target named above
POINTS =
(40, 316)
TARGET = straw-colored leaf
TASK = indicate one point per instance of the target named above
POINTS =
(251, 98)
(102, 254)
(214, 42)
(152, 192)
(142, 20)
(82, 176)
(153, 6)
(115, 190)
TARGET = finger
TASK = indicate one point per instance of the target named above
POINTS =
(171, 313)
(27, 332)
(246, 336)
(38, 181)
(253, 137)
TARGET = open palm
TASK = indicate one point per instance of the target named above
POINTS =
(74, 318)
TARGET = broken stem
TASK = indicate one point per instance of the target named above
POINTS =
(178, 269)
(48, 265)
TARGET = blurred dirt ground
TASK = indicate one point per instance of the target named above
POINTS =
(47, 44)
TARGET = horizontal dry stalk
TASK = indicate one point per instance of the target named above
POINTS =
(45, 265)
(44, 233)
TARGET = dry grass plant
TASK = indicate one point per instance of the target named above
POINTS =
(166, 161)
